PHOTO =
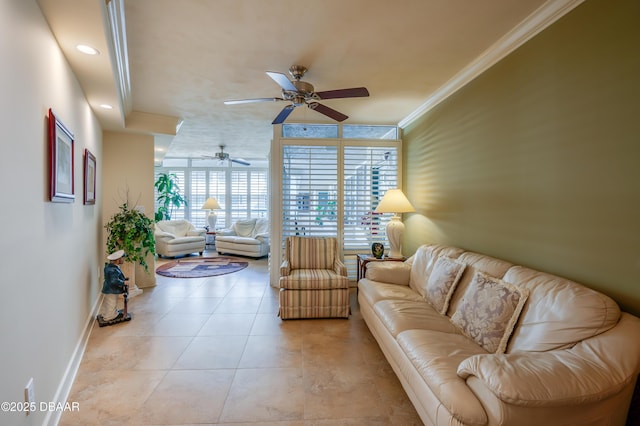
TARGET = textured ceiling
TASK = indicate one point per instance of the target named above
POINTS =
(186, 57)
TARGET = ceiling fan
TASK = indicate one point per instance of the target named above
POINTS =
(301, 93)
(222, 156)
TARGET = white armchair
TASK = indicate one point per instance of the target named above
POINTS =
(248, 237)
(178, 237)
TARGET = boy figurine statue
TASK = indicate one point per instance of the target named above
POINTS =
(114, 285)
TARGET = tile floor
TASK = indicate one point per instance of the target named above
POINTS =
(213, 351)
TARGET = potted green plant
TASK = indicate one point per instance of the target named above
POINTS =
(169, 196)
(130, 230)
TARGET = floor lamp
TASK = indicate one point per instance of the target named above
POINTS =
(211, 204)
(394, 201)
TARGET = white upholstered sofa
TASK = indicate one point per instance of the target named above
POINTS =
(249, 237)
(476, 340)
(178, 237)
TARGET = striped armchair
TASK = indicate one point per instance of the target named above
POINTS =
(313, 280)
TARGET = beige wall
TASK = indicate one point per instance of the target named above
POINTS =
(50, 257)
(128, 177)
(537, 161)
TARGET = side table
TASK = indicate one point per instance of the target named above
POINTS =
(210, 240)
(363, 259)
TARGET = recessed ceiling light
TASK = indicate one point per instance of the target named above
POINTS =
(87, 49)
(106, 106)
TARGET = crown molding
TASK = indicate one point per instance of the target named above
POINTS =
(534, 24)
(115, 29)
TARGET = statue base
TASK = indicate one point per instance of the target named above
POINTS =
(122, 317)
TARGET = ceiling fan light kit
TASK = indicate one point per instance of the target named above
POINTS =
(301, 93)
(224, 156)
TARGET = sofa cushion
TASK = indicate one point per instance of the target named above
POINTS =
(262, 227)
(436, 356)
(312, 279)
(389, 272)
(312, 253)
(244, 228)
(559, 312)
(489, 311)
(238, 240)
(375, 291)
(185, 240)
(442, 282)
(401, 315)
(177, 228)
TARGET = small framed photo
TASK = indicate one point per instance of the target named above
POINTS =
(61, 161)
(89, 177)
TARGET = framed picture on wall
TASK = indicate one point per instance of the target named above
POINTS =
(61, 161)
(89, 177)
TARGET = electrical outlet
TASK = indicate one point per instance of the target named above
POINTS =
(29, 396)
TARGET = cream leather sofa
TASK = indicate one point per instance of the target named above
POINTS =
(248, 237)
(476, 340)
(178, 237)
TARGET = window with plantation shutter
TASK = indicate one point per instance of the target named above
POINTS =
(331, 184)
(241, 191)
(368, 173)
(217, 188)
(310, 204)
(239, 195)
(259, 203)
(197, 197)
(309, 190)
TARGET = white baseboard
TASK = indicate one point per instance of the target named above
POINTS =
(64, 388)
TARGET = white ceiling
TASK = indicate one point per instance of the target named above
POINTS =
(186, 57)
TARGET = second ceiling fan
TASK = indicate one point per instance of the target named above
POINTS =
(224, 156)
(300, 93)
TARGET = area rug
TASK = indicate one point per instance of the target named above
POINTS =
(201, 267)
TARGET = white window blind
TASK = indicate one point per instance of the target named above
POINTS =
(197, 197)
(239, 195)
(259, 193)
(241, 192)
(368, 173)
(309, 190)
(217, 188)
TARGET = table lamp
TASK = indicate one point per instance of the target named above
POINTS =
(394, 201)
(211, 204)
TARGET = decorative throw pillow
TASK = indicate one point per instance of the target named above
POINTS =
(489, 311)
(442, 282)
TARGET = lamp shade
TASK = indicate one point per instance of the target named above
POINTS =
(211, 204)
(394, 201)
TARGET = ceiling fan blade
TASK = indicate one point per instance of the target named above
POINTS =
(355, 92)
(240, 161)
(282, 81)
(283, 114)
(248, 101)
(329, 112)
